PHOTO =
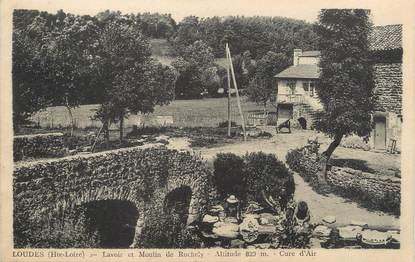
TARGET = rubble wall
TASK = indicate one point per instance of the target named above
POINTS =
(39, 145)
(388, 87)
(377, 189)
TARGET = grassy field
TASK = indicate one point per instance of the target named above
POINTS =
(208, 112)
(162, 51)
(183, 113)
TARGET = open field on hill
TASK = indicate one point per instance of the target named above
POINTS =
(162, 51)
(182, 113)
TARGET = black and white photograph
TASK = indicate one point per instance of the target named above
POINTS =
(157, 129)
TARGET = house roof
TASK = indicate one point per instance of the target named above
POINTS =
(388, 37)
(300, 71)
(382, 38)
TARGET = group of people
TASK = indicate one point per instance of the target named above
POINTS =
(294, 229)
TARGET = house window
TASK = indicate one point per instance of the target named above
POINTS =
(292, 84)
(309, 87)
(312, 88)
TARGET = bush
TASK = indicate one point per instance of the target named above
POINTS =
(247, 177)
(146, 130)
(203, 141)
(165, 232)
(225, 124)
(74, 142)
(264, 172)
(228, 175)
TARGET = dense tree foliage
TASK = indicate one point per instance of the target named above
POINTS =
(197, 72)
(244, 68)
(65, 59)
(132, 82)
(262, 87)
(29, 87)
(345, 87)
(255, 34)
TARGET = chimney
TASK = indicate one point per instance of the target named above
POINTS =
(297, 53)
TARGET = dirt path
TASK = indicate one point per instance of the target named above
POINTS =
(345, 211)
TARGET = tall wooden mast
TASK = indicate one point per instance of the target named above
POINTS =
(229, 57)
(229, 92)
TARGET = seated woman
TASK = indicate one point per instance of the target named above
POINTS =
(302, 213)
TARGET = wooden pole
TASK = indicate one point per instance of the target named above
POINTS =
(237, 92)
(96, 139)
(229, 92)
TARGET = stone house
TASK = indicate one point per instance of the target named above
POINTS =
(296, 96)
(297, 99)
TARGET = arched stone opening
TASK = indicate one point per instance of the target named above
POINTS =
(176, 205)
(303, 122)
(112, 222)
(174, 217)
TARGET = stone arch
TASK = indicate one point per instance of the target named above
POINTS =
(113, 221)
(107, 193)
(143, 177)
(175, 210)
(195, 184)
(177, 202)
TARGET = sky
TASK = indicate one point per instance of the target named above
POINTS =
(383, 12)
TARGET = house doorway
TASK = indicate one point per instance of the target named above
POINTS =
(303, 122)
(380, 132)
(285, 111)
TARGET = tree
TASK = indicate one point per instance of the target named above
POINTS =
(29, 86)
(210, 80)
(133, 82)
(262, 87)
(192, 66)
(156, 25)
(67, 59)
(187, 34)
(30, 31)
(345, 87)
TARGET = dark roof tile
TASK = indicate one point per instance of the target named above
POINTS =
(386, 37)
(300, 71)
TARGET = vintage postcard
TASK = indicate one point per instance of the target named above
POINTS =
(207, 130)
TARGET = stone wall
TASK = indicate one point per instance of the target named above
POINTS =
(39, 145)
(45, 189)
(377, 189)
(388, 87)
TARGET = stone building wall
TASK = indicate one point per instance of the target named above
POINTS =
(388, 87)
(388, 95)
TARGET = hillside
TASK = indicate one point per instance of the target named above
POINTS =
(162, 51)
